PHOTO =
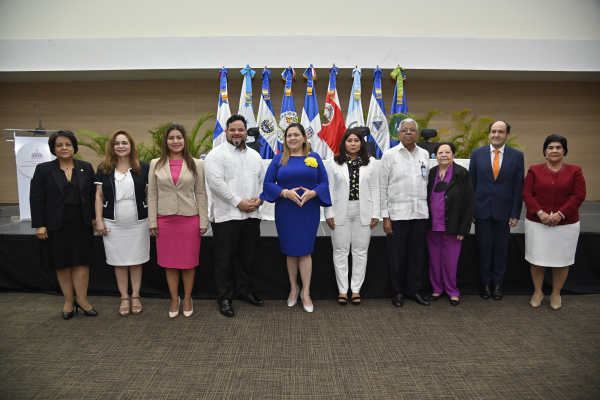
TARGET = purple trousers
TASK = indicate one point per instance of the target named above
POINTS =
(444, 251)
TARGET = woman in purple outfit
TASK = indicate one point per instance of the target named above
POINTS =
(451, 199)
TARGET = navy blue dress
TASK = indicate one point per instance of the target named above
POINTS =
(296, 226)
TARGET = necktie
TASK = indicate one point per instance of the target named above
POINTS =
(496, 164)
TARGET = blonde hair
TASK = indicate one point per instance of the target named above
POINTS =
(110, 159)
(286, 150)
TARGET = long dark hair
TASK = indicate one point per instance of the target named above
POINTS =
(187, 156)
(364, 155)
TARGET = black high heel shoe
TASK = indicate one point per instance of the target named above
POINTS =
(68, 315)
(91, 313)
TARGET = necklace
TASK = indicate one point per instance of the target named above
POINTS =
(122, 179)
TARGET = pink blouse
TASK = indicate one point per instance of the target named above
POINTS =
(175, 166)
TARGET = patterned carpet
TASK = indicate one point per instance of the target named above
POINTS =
(481, 349)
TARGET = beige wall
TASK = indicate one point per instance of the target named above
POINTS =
(518, 19)
(534, 109)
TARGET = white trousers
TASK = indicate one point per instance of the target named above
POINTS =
(351, 234)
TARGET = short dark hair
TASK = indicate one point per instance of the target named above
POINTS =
(340, 158)
(555, 138)
(452, 147)
(236, 117)
(506, 123)
(67, 134)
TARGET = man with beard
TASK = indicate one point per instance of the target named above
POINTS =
(235, 175)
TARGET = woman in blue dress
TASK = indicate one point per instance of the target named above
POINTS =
(296, 181)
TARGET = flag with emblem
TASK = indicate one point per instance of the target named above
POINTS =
(377, 119)
(399, 107)
(223, 112)
(288, 108)
(270, 134)
(332, 126)
(355, 117)
(311, 120)
(246, 109)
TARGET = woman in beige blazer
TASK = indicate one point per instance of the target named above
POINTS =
(354, 187)
(178, 212)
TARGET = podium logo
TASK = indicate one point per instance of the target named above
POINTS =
(36, 155)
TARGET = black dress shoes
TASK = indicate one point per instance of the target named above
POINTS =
(434, 298)
(497, 292)
(419, 300)
(486, 292)
(226, 309)
(454, 303)
(252, 299)
(90, 313)
(398, 300)
(67, 315)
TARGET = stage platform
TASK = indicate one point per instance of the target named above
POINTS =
(20, 271)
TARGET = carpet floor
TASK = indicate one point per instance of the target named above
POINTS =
(482, 349)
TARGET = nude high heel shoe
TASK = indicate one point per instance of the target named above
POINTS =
(189, 313)
(307, 309)
(175, 313)
(536, 304)
(292, 303)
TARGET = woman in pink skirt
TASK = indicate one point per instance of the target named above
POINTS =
(178, 211)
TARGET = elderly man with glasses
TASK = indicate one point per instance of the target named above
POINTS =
(403, 189)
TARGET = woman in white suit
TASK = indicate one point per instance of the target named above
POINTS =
(354, 187)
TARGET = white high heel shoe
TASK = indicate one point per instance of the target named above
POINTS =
(307, 309)
(292, 303)
(189, 313)
(175, 313)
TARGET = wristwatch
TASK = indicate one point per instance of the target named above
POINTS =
(539, 213)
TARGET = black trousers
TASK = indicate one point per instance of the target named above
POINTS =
(407, 255)
(235, 242)
(492, 238)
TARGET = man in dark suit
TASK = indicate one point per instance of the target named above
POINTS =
(497, 172)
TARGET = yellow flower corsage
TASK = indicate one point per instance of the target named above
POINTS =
(311, 162)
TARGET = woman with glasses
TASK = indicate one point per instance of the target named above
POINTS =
(451, 198)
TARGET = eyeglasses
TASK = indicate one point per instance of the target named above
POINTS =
(408, 130)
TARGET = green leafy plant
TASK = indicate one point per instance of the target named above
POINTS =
(97, 142)
(151, 149)
(472, 133)
(422, 121)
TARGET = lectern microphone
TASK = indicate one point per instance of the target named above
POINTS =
(39, 128)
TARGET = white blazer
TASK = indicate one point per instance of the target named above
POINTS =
(339, 188)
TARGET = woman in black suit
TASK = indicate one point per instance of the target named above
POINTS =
(450, 198)
(61, 198)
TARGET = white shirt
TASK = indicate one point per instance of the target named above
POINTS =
(124, 186)
(500, 155)
(232, 176)
(402, 186)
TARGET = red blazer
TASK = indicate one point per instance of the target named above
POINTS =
(551, 191)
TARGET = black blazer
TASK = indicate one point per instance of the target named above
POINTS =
(459, 199)
(108, 191)
(46, 194)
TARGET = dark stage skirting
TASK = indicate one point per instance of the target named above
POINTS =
(20, 271)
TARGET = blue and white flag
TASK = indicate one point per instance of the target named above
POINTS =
(223, 113)
(288, 108)
(246, 109)
(355, 117)
(377, 120)
(270, 134)
(311, 120)
(399, 107)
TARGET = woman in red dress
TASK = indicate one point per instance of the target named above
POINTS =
(553, 193)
